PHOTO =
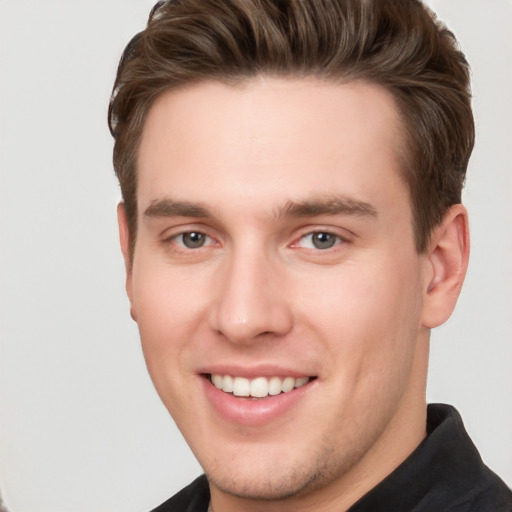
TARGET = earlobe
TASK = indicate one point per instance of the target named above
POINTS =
(124, 239)
(447, 259)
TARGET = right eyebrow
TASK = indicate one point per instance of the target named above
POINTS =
(327, 205)
(161, 208)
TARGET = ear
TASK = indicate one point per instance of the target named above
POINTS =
(124, 239)
(447, 262)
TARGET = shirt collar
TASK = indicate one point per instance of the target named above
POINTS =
(444, 467)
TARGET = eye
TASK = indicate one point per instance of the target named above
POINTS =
(319, 240)
(192, 239)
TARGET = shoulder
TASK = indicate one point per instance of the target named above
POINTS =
(473, 487)
(492, 495)
(193, 498)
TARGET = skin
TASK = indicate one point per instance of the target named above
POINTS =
(259, 294)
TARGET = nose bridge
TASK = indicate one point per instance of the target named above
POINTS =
(249, 301)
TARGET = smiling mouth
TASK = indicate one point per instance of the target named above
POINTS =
(259, 387)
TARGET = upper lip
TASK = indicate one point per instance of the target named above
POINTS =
(253, 371)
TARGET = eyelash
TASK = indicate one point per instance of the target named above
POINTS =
(333, 240)
(334, 237)
(177, 239)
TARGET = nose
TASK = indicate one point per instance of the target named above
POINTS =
(250, 302)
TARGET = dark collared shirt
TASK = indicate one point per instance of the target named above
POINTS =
(444, 474)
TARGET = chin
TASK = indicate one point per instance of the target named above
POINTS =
(262, 489)
(275, 482)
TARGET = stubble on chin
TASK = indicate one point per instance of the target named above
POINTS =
(282, 483)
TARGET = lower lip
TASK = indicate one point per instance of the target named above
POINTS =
(249, 412)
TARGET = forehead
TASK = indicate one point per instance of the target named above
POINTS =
(284, 138)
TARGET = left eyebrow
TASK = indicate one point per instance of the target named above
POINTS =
(329, 205)
(171, 208)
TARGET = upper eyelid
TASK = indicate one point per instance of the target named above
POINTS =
(173, 244)
(180, 229)
(323, 231)
(311, 233)
(175, 231)
(342, 233)
(207, 243)
(184, 232)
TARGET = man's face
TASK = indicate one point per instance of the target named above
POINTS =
(275, 249)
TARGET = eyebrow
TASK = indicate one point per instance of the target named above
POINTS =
(329, 205)
(172, 208)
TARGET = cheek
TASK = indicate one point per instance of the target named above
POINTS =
(165, 299)
(164, 327)
(167, 306)
(368, 312)
(389, 323)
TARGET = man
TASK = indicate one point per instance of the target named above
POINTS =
(292, 230)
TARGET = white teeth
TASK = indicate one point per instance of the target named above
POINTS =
(241, 386)
(288, 384)
(274, 386)
(217, 381)
(300, 382)
(227, 384)
(260, 387)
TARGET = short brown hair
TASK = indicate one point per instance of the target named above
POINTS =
(398, 44)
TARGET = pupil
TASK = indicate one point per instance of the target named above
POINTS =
(193, 240)
(323, 240)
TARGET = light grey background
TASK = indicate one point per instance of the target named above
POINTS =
(81, 429)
